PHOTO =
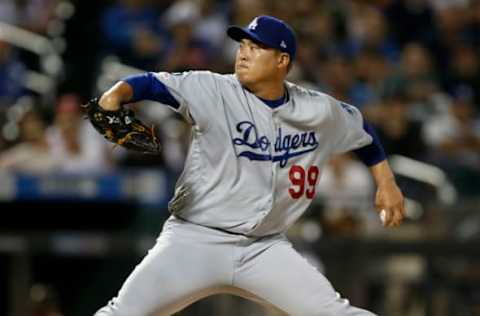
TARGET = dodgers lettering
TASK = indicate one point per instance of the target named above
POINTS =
(285, 145)
(250, 137)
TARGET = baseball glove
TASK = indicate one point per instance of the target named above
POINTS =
(122, 128)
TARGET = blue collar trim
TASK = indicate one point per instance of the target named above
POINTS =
(275, 103)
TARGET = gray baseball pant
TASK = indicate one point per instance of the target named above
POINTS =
(190, 262)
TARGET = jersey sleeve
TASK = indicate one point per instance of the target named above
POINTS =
(347, 123)
(196, 92)
(373, 153)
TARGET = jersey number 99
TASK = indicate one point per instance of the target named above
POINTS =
(303, 181)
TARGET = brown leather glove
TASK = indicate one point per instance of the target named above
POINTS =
(123, 128)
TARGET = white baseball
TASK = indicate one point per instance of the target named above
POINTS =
(383, 216)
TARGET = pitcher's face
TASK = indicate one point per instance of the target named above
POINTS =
(255, 62)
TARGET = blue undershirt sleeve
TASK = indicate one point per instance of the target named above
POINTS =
(147, 87)
(373, 153)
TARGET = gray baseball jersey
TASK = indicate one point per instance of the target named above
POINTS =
(251, 171)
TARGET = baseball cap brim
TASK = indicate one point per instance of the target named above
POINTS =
(238, 33)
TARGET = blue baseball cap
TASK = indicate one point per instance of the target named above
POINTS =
(269, 31)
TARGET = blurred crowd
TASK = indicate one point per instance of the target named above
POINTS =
(411, 66)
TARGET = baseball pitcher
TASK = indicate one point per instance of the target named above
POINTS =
(258, 147)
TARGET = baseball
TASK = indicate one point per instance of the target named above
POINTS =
(383, 216)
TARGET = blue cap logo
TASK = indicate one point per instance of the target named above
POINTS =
(269, 31)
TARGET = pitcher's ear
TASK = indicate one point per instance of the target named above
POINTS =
(284, 60)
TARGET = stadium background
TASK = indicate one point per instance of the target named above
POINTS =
(76, 215)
